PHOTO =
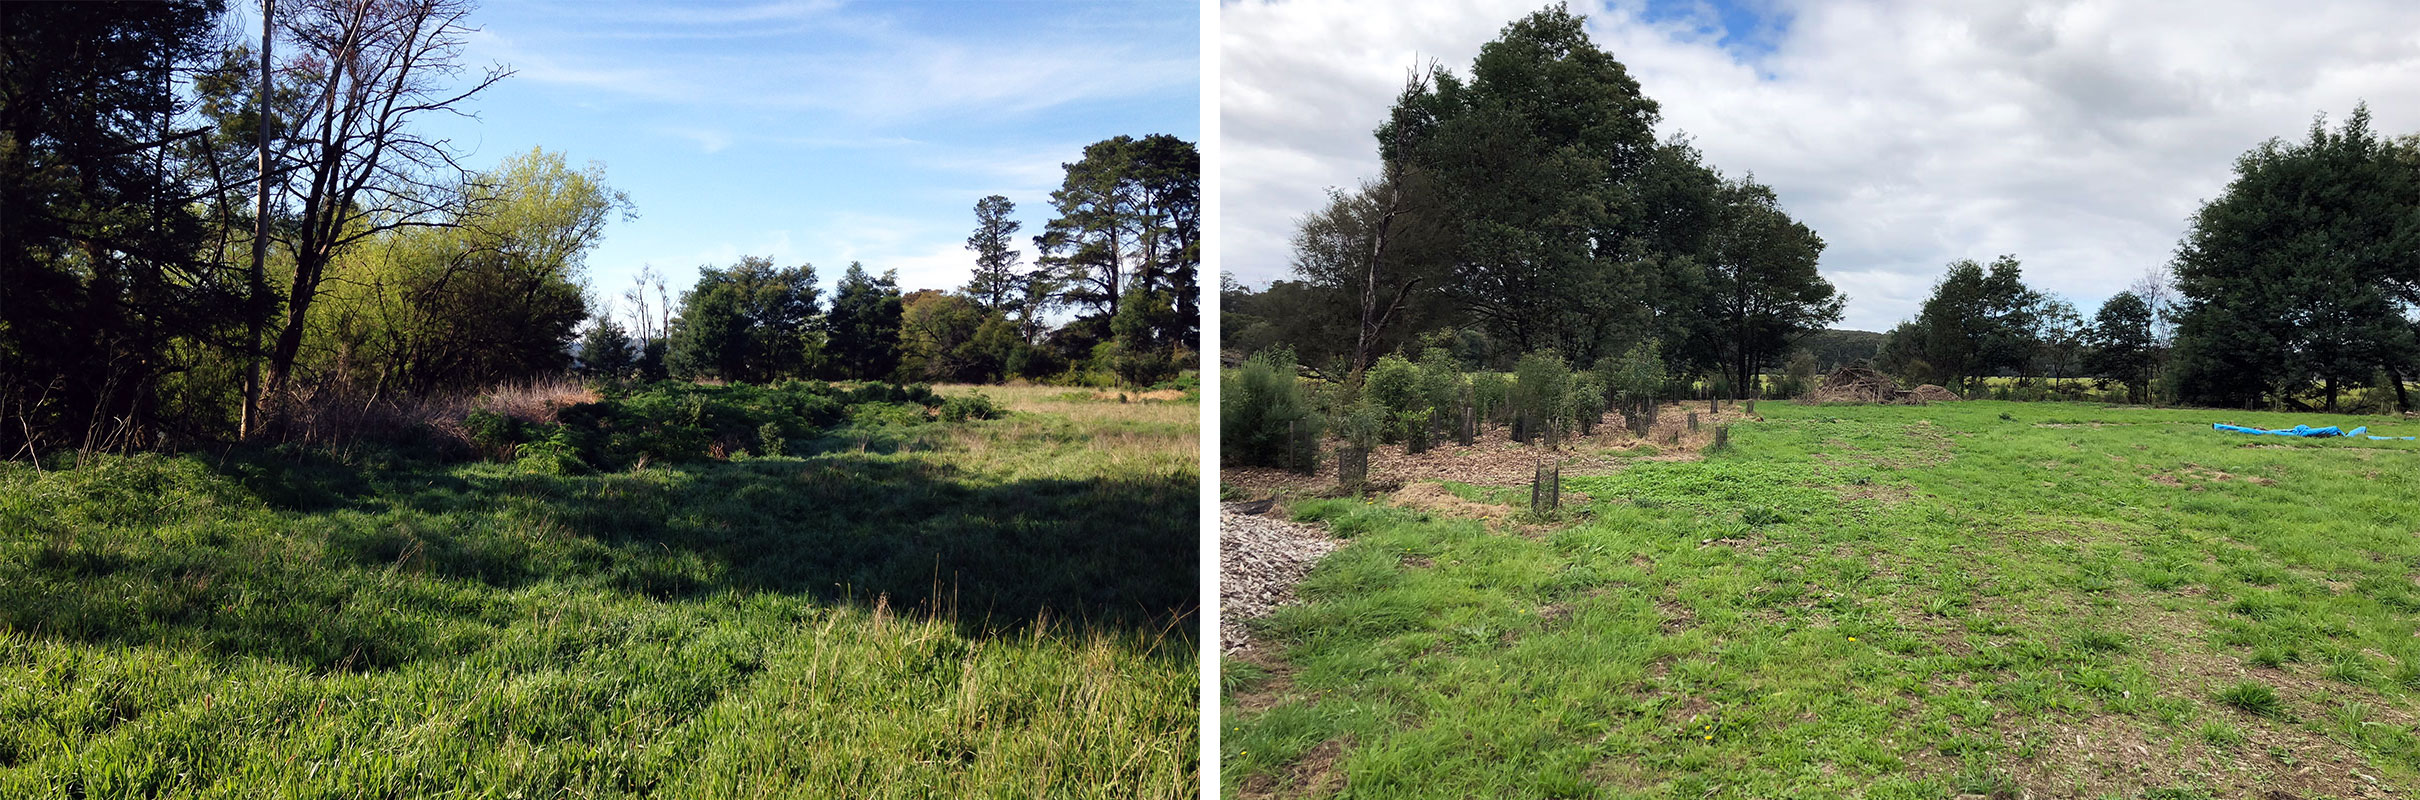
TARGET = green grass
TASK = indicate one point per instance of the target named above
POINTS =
(1872, 601)
(975, 609)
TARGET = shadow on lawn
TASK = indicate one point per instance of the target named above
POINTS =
(416, 558)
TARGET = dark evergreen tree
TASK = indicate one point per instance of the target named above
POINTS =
(2123, 349)
(864, 325)
(2302, 273)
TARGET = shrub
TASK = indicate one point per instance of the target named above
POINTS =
(1393, 383)
(1440, 385)
(557, 453)
(971, 406)
(1362, 424)
(1540, 383)
(495, 435)
(1264, 417)
(1489, 393)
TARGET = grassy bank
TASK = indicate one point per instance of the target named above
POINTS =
(1968, 599)
(897, 608)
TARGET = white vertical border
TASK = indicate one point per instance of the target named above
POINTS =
(1206, 633)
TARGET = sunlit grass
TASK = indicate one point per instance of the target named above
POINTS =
(1000, 610)
(1872, 601)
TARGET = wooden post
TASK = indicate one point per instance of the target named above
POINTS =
(1713, 403)
(1722, 437)
(1546, 488)
(1470, 427)
(1352, 468)
(1693, 420)
(1751, 406)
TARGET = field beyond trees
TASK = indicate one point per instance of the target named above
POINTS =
(901, 605)
(1965, 599)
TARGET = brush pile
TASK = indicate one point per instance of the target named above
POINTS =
(1855, 384)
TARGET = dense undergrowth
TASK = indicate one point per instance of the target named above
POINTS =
(873, 601)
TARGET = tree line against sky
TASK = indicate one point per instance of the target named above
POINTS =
(180, 266)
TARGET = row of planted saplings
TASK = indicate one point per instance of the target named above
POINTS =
(1421, 403)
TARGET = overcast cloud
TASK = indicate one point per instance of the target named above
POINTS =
(2078, 136)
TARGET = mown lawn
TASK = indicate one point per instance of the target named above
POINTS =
(1966, 599)
(993, 608)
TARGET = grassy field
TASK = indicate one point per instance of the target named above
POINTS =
(942, 610)
(1960, 600)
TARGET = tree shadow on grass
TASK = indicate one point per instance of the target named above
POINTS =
(336, 567)
(1113, 552)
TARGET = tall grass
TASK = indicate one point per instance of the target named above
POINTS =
(996, 613)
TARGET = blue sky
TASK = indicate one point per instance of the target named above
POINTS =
(823, 132)
(2078, 135)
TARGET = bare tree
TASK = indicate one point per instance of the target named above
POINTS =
(2157, 288)
(1378, 304)
(368, 69)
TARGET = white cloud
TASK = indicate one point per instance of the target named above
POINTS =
(2077, 136)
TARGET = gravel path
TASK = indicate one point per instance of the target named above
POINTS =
(1259, 559)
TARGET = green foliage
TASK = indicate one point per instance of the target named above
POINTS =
(970, 407)
(1362, 424)
(496, 295)
(1540, 384)
(771, 440)
(950, 338)
(1490, 392)
(606, 352)
(996, 284)
(1440, 386)
(2122, 345)
(1799, 374)
(2300, 274)
(1977, 323)
(864, 325)
(1138, 196)
(749, 322)
(1393, 383)
(1265, 419)
(1142, 331)
(555, 452)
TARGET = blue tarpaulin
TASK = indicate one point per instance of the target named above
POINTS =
(2298, 430)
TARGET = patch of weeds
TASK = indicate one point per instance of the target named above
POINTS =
(2100, 641)
(2254, 698)
(2274, 656)
(2217, 733)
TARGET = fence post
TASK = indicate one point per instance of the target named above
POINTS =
(1692, 420)
(1722, 437)
(1352, 468)
(1751, 407)
(1546, 488)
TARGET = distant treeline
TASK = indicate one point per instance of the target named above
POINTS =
(1123, 254)
(177, 265)
(2294, 288)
